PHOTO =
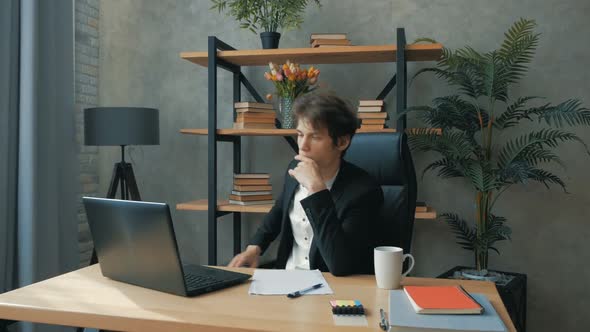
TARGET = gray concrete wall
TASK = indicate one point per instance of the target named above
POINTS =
(140, 66)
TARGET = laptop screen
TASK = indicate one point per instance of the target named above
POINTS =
(135, 243)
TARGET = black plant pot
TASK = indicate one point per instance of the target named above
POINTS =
(270, 39)
(513, 294)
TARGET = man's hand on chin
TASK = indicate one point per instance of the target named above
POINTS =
(307, 173)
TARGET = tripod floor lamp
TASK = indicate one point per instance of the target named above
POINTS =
(122, 126)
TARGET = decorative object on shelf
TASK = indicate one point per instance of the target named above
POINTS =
(251, 189)
(290, 81)
(252, 115)
(266, 16)
(371, 114)
(328, 40)
(473, 117)
(270, 39)
(121, 126)
(286, 110)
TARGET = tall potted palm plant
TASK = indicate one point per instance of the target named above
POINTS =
(473, 118)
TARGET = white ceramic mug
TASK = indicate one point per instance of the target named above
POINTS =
(388, 266)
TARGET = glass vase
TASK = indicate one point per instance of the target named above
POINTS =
(286, 111)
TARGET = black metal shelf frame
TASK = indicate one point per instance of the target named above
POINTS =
(215, 44)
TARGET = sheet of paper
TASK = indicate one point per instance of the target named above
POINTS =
(283, 282)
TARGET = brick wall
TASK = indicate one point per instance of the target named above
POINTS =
(86, 71)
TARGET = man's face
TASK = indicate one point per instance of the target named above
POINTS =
(316, 143)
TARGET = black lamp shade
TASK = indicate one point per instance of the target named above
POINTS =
(121, 126)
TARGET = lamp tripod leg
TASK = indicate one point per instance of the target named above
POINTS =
(123, 173)
(131, 183)
(115, 177)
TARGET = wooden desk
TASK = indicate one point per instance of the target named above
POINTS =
(85, 298)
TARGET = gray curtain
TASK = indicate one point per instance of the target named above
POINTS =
(9, 43)
(38, 161)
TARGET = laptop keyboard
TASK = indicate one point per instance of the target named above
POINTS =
(197, 281)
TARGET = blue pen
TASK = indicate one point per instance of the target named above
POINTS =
(303, 291)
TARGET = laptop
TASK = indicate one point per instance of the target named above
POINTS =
(135, 244)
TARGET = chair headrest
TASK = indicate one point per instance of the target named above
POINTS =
(381, 155)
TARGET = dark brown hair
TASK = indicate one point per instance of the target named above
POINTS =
(327, 111)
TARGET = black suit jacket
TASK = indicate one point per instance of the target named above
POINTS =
(342, 220)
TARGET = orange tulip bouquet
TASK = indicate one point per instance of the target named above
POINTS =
(290, 81)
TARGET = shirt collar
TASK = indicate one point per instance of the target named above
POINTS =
(330, 182)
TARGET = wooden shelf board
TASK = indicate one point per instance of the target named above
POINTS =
(429, 214)
(223, 205)
(267, 132)
(243, 132)
(386, 130)
(327, 55)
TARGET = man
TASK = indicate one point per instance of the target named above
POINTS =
(327, 207)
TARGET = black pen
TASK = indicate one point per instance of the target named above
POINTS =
(384, 324)
(303, 291)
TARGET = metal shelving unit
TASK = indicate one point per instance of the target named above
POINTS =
(222, 55)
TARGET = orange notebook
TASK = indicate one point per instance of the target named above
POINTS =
(442, 300)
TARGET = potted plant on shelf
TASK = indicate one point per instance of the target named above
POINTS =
(291, 81)
(473, 118)
(267, 16)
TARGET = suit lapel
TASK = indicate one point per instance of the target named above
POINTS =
(336, 193)
(289, 194)
(340, 182)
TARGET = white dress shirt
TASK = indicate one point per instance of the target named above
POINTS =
(302, 231)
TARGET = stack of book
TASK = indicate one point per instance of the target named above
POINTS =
(421, 207)
(442, 308)
(329, 40)
(371, 114)
(251, 189)
(254, 115)
(424, 212)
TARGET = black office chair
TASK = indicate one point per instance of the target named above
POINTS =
(386, 156)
